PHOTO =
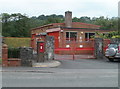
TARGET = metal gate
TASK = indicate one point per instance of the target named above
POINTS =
(74, 49)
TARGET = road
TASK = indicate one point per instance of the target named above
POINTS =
(78, 73)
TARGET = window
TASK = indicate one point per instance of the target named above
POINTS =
(89, 36)
(67, 35)
(70, 36)
(113, 46)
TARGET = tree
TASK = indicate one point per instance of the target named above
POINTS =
(85, 19)
(15, 25)
(18, 25)
(113, 34)
(75, 19)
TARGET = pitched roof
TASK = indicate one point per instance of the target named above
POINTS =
(63, 24)
(86, 24)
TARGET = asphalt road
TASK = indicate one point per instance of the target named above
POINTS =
(78, 73)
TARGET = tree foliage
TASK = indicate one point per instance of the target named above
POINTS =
(19, 25)
(112, 34)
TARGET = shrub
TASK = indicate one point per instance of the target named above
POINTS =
(117, 36)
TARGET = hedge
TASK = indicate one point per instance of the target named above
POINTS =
(14, 42)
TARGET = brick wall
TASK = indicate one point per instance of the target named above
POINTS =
(8, 62)
(4, 55)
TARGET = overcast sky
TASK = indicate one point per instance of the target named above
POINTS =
(91, 8)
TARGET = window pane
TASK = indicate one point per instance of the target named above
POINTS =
(67, 35)
(86, 36)
(73, 35)
(113, 45)
(91, 35)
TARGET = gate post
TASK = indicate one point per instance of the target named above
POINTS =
(98, 48)
(4, 55)
(49, 49)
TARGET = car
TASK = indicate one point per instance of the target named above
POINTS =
(113, 51)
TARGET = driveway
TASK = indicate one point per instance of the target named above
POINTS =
(88, 64)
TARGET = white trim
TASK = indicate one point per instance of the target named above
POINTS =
(53, 30)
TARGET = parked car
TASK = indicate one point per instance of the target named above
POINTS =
(113, 51)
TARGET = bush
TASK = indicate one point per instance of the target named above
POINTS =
(13, 52)
(117, 36)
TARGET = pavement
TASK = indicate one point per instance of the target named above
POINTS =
(52, 63)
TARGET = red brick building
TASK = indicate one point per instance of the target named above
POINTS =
(65, 33)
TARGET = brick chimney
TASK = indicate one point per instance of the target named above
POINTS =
(68, 19)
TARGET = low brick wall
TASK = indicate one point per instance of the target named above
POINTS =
(14, 62)
(6, 62)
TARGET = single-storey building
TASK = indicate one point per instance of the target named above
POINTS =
(68, 34)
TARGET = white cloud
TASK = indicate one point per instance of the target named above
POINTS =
(78, 7)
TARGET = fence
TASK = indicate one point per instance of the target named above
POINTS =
(13, 53)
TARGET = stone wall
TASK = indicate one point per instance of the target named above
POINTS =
(26, 56)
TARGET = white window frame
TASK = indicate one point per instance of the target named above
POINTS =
(69, 34)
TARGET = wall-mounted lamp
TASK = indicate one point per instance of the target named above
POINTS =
(67, 46)
(82, 33)
(61, 31)
(81, 46)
